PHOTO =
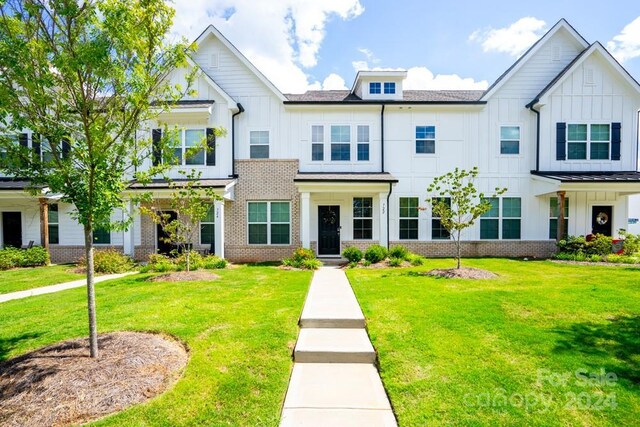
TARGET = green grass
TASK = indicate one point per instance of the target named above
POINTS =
(462, 352)
(240, 330)
(21, 279)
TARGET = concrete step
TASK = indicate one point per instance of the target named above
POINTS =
(336, 394)
(334, 346)
(331, 302)
(333, 261)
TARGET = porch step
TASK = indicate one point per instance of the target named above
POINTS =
(334, 346)
(333, 261)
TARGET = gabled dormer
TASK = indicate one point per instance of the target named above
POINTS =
(379, 85)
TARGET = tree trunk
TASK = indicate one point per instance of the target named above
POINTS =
(91, 295)
(458, 248)
(188, 259)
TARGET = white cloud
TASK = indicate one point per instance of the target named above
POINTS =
(334, 82)
(626, 45)
(280, 37)
(423, 78)
(514, 39)
(359, 65)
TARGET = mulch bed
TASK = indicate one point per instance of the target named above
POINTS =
(60, 384)
(601, 263)
(185, 276)
(461, 273)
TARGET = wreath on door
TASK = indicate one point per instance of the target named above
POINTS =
(602, 218)
(330, 217)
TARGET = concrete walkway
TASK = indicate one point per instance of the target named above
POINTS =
(59, 287)
(334, 380)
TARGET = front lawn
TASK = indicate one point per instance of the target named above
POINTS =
(543, 344)
(21, 279)
(240, 330)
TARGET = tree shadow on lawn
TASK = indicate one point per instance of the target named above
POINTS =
(615, 345)
(7, 345)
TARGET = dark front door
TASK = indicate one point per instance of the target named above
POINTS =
(12, 229)
(328, 230)
(601, 219)
(164, 246)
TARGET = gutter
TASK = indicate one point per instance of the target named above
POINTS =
(388, 214)
(233, 140)
(382, 139)
(377, 102)
(537, 113)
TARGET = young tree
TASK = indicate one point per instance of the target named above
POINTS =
(458, 203)
(83, 76)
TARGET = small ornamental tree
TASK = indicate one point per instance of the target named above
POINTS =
(83, 77)
(458, 203)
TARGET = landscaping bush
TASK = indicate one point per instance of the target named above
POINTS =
(572, 245)
(600, 245)
(622, 259)
(32, 257)
(399, 251)
(302, 258)
(352, 254)
(395, 262)
(415, 259)
(366, 263)
(212, 262)
(375, 253)
(353, 264)
(631, 245)
(195, 261)
(162, 263)
(109, 261)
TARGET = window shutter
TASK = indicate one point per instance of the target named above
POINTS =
(156, 136)
(35, 145)
(24, 140)
(561, 139)
(615, 141)
(211, 147)
(66, 147)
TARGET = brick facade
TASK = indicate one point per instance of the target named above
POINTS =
(482, 248)
(71, 254)
(261, 180)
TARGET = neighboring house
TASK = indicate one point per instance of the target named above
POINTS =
(328, 169)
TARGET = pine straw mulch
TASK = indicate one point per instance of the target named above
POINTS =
(185, 276)
(60, 384)
(461, 273)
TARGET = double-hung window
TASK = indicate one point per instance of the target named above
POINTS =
(600, 140)
(375, 88)
(425, 139)
(389, 88)
(340, 143)
(362, 218)
(503, 220)
(317, 143)
(194, 152)
(509, 139)
(363, 142)
(438, 232)
(259, 144)
(577, 141)
(13, 139)
(54, 224)
(553, 217)
(269, 223)
(207, 227)
(408, 224)
(102, 235)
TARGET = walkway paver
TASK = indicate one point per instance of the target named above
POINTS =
(334, 380)
(59, 287)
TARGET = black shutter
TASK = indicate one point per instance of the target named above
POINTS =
(24, 140)
(615, 141)
(66, 148)
(561, 141)
(211, 147)
(156, 136)
(35, 145)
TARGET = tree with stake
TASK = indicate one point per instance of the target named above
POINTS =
(83, 76)
(458, 203)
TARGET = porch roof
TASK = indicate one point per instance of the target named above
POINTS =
(348, 177)
(585, 177)
(625, 183)
(14, 184)
(159, 184)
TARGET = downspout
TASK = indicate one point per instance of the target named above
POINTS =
(388, 214)
(233, 140)
(382, 139)
(530, 107)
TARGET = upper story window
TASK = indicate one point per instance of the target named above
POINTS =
(509, 139)
(594, 139)
(317, 143)
(185, 144)
(375, 88)
(13, 139)
(363, 142)
(389, 88)
(340, 143)
(259, 144)
(425, 139)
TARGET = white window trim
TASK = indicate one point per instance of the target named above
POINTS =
(182, 134)
(414, 140)
(417, 218)
(588, 158)
(375, 93)
(213, 207)
(353, 217)
(353, 143)
(268, 223)
(267, 144)
(323, 143)
(520, 145)
(501, 217)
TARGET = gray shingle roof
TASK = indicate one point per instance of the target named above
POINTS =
(162, 184)
(408, 96)
(344, 177)
(14, 184)
(611, 177)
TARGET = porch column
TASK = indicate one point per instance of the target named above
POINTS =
(219, 228)
(305, 220)
(384, 211)
(561, 202)
(44, 223)
(128, 234)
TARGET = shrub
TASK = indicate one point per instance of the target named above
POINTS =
(352, 254)
(366, 263)
(631, 245)
(109, 261)
(195, 261)
(353, 264)
(572, 245)
(32, 257)
(600, 245)
(301, 254)
(622, 259)
(212, 262)
(399, 251)
(375, 253)
(302, 258)
(311, 264)
(162, 263)
(415, 260)
(395, 262)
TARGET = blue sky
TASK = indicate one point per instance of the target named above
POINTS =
(313, 44)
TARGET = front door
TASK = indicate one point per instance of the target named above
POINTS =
(601, 219)
(12, 229)
(328, 230)
(165, 247)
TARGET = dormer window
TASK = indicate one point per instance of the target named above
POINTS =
(389, 88)
(375, 88)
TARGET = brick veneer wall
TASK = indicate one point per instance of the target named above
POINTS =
(68, 254)
(261, 180)
(497, 248)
